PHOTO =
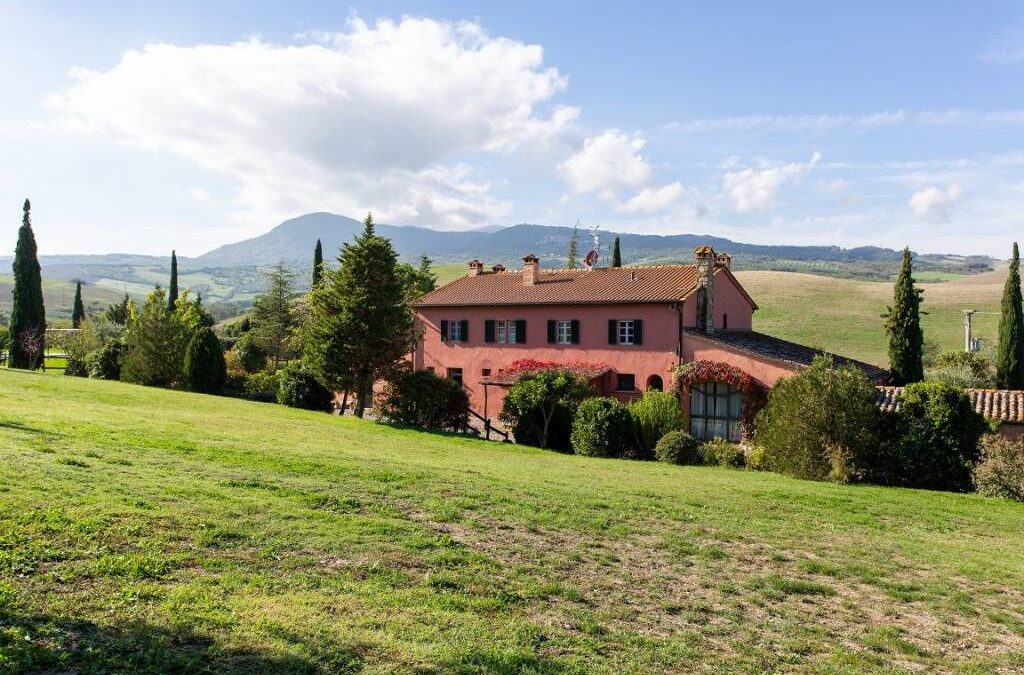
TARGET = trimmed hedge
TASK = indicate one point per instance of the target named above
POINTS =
(678, 447)
(602, 427)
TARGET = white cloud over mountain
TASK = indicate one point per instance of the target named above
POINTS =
(372, 117)
(752, 189)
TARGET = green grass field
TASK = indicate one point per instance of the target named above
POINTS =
(144, 530)
(844, 315)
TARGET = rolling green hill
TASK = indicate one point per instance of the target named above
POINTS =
(59, 297)
(153, 531)
(844, 315)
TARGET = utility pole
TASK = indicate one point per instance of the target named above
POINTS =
(968, 340)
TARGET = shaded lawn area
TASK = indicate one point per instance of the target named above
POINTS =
(144, 530)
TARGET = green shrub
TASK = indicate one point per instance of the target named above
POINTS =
(656, 414)
(754, 458)
(261, 386)
(678, 447)
(602, 427)
(423, 399)
(540, 408)
(204, 369)
(821, 423)
(105, 363)
(249, 354)
(931, 442)
(962, 369)
(723, 453)
(298, 388)
(1000, 468)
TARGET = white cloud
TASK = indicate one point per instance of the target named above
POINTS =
(606, 162)
(934, 203)
(653, 199)
(370, 118)
(788, 122)
(755, 189)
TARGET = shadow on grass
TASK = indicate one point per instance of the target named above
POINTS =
(17, 426)
(44, 644)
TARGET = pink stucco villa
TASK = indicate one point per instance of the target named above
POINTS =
(628, 327)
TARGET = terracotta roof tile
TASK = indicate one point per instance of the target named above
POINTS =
(639, 284)
(1002, 405)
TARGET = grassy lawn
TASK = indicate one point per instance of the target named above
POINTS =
(844, 315)
(144, 530)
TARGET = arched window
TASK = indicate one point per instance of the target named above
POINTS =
(655, 383)
(715, 411)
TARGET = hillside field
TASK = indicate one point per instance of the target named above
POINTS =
(59, 297)
(844, 315)
(146, 531)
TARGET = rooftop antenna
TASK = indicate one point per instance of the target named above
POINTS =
(590, 261)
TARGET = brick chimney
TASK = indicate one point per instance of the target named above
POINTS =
(475, 268)
(704, 259)
(498, 268)
(531, 270)
(724, 259)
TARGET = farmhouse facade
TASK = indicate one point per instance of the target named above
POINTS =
(628, 328)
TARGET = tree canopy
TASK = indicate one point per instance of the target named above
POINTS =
(28, 315)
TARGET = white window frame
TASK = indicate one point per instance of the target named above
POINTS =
(563, 331)
(505, 331)
(626, 331)
(454, 331)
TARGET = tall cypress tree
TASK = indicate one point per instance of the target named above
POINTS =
(359, 323)
(172, 289)
(903, 325)
(1010, 353)
(28, 316)
(78, 313)
(571, 257)
(318, 263)
(616, 254)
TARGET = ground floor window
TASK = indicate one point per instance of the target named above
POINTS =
(655, 383)
(625, 382)
(715, 411)
(455, 374)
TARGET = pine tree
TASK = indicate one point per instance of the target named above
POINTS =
(156, 341)
(616, 254)
(204, 369)
(903, 326)
(273, 316)
(571, 257)
(1010, 352)
(78, 313)
(28, 316)
(172, 289)
(118, 312)
(318, 263)
(359, 323)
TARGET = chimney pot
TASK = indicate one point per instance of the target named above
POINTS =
(531, 270)
(498, 268)
(475, 268)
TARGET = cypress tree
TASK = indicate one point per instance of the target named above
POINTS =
(78, 313)
(1010, 353)
(204, 368)
(172, 289)
(572, 256)
(359, 322)
(28, 316)
(903, 326)
(616, 254)
(318, 263)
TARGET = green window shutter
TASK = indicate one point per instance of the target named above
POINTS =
(521, 330)
(552, 331)
(575, 331)
(613, 331)
(489, 330)
(444, 330)
(638, 331)
(465, 330)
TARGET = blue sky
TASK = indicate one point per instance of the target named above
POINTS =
(188, 125)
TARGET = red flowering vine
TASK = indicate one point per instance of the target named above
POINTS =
(581, 369)
(704, 370)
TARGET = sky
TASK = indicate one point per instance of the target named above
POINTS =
(188, 125)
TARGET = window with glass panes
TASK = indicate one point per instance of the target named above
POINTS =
(505, 331)
(626, 332)
(564, 332)
(715, 411)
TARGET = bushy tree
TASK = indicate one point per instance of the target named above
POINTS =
(1010, 352)
(656, 414)
(540, 407)
(616, 254)
(602, 427)
(961, 369)
(105, 363)
(273, 315)
(903, 326)
(360, 323)
(249, 354)
(1000, 468)
(77, 348)
(156, 341)
(172, 288)
(821, 423)
(204, 369)
(28, 316)
(118, 312)
(417, 280)
(420, 398)
(78, 312)
(298, 388)
(678, 447)
(931, 442)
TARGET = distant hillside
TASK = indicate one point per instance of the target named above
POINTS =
(59, 298)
